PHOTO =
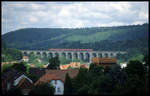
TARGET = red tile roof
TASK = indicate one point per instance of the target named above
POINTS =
(64, 67)
(103, 60)
(72, 64)
(24, 84)
(84, 66)
(57, 75)
(75, 64)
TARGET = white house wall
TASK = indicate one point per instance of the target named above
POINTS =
(59, 84)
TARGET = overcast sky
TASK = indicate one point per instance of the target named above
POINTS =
(17, 15)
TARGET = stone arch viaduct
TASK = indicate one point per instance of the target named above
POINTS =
(81, 55)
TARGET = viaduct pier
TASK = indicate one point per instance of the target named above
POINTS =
(81, 54)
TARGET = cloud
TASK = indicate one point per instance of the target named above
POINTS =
(33, 19)
(71, 14)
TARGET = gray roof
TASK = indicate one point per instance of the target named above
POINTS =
(11, 75)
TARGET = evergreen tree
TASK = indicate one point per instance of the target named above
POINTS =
(54, 63)
(67, 85)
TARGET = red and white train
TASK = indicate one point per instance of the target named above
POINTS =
(70, 49)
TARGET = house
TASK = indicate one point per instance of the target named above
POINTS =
(24, 83)
(64, 67)
(13, 78)
(123, 65)
(25, 58)
(73, 65)
(104, 61)
(38, 60)
(45, 66)
(12, 62)
(32, 65)
(8, 78)
(57, 78)
(84, 66)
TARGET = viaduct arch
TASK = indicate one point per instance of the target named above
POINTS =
(81, 55)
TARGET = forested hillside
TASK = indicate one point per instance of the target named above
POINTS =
(132, 38)
(98, 38)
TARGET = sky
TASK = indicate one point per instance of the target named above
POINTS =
(17, 15)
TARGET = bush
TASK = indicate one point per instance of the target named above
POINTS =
(43, 89)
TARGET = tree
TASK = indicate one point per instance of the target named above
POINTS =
(107, 69)
(70, 67)
(146, 60)
(34, 78)
(16, 54)
(21, 67)
(80, 80)
(96, 70)
(134, 85)
(43, 89)
(117, 75)
(6, 67)
(135, 67)
(136, 78)
(63, 60)
(67, 85)
(14, 91)
(54, 63)
(32, 57)
(83, 90)
(105, 85)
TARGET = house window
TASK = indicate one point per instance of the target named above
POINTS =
(58, 90)
(55, 81)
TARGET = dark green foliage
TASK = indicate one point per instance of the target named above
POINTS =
(32, 57)
(146, 60)
(54, 63)
(3, 45)
(67, 85)
(80, 80)
(107, 69)
(105, 85)
(96, 70)
(34, 78)
(14, 91)
(70, 67)
(10, 54)
(83, 90)
(134, 85)
(133, 39)
(21, 67)
(135, 82)
(6, 67)
(16, 54)
(63, 60)
(117, 75)
(43, 89)
(135, 68)
(112, 80)
(103, 38)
